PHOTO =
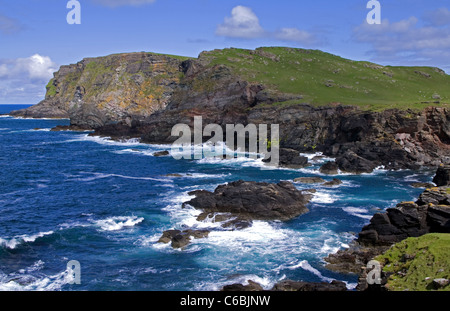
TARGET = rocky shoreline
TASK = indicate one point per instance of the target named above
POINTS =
(429, 214)
(143, 95)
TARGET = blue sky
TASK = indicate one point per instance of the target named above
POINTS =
(35, 38)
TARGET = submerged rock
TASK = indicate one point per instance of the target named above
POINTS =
(332, 183)
(180, 239)
(161, 153)
(309, 180)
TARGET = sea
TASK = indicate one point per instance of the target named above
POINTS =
(66, 196)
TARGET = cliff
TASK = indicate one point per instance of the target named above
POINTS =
(105, 90)
(364, 114)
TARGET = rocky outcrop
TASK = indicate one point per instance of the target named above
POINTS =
(253, 200)
(180, 239)
(289, 286)
(442, 177)
(119, 88)
(329, 168)
(429, 214)
(144, 95)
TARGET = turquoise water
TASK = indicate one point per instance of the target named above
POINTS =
(67, 196)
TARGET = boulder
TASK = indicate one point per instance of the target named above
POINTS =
(180, 239)
(289, 286)
(329, 168)
(309, 180)
(350, 162)
(422, 185)
(253, 200)
(161, 153)
(332, 183)
(442, 177)
(251, 287)
(290, 158)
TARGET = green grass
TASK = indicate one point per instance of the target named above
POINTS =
(428, 259)
(51, 89)
(323, 79)
(182, 58)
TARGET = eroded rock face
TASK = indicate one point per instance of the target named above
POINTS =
(146, 95)
(106, 90)
(253, 200)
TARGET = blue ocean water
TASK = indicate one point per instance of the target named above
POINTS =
(67, 196)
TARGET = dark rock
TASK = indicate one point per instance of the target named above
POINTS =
(73, 128)
(434, 196)
(251, 287)
(238, 224)
(422, 185)
(253, 200)
(168, 236)
(329, 168)
(309, 180)
(332, 183)
(180, 239)
(440, 283)
(161, 153)
(350, 162)
(442, 177)
(290, 158)
(438, 218)
(173, 175)
(288, 285)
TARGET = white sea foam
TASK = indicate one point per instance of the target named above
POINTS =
(324, 197)
(96, 176)
(304, 264)
(118, 222)
(105, 140)
(358, 212)
(12, 243)
(27, 280)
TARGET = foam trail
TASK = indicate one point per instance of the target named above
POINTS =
(25, 280)
(118, 223)
(14, 242)
(304, 264)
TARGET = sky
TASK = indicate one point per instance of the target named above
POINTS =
(35, 37)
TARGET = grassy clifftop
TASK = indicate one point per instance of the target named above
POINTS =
(323, 79)
(415, 262)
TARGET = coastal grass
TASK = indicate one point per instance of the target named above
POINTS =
(323, 78)
(415, 262)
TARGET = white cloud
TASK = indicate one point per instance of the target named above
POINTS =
(23, 79)
(37, 66)
(117, 3)
(439, 17)
(406, 41)
(243, 23)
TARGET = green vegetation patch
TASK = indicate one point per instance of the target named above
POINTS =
(415, 262)
(51, 89)
(323, 79)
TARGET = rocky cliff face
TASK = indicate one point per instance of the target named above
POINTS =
(144, 95)
(105, 90)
